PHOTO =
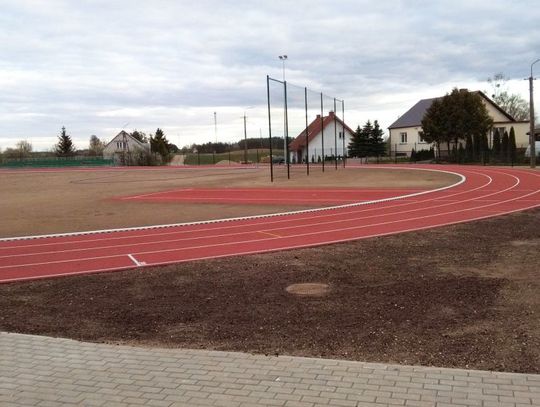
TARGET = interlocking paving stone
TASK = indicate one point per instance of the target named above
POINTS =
(43, 371)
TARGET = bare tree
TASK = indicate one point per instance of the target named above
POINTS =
(96, 146)
(511, 103)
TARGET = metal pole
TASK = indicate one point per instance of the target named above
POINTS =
(307, 135)
(322, 130)
(245, 140)
(287, 134)
(532, 138)
(335, 135)
(215, 126)
(343, 129)
(269, 128)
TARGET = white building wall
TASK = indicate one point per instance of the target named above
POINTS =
(315, 146)
(415, 142)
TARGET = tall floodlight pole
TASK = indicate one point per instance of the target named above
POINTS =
(215, 126)
(532, 138)
(283, 58)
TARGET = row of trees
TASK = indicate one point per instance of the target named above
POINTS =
(367, 141)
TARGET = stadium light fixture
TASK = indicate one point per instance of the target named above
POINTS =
(283, 59)
(532, 137)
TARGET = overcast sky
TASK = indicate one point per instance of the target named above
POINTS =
(99, 66)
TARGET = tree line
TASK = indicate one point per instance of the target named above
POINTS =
(367, 141)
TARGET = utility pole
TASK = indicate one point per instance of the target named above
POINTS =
(215, 126)
(245, 140)
(532, 138)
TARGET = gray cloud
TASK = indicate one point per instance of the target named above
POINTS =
(95, 65)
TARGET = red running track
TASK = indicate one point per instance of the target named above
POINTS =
(485, 192)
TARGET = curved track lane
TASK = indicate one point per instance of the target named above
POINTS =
(485, 192)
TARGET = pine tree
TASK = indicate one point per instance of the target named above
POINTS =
(360, 143)
(159, 144)
(461, 153)
(497, 143)
(469, 149)
(512, 148)
(354, 143)
(376, 142)
(64, 147)
(504, 146)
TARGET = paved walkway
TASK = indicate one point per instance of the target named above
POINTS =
(42, 371)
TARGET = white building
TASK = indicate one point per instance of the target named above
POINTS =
(124, 148)
(406, 132)
(336, 134)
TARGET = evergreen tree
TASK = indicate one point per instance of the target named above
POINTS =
(469, 150)
(512, 148)
(484, 148)
(461, 153)
(352, 148)
(64, 147)
(139, 135)
(360, 143)
(160, 145)
(504, 146)
(376, 143)
(413, 156)
(497, 143)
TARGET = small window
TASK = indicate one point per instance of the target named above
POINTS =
(340, 135)
(421, 137)
(403, 137)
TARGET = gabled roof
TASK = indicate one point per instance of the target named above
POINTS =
(127, 135)
(413, 117)
(314, 128)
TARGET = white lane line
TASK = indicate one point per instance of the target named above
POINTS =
(461, 181)
(317, 220)
(305, 235)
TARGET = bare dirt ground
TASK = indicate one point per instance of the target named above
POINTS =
(68, 201)
(463, 296)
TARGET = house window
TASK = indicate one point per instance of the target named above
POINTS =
(421, 137)
(340, 135)
(403, 137)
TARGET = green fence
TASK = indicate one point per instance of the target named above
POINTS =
(56, 162)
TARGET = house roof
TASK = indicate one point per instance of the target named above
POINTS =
(413, 117)
(314, 128)
(131, 138)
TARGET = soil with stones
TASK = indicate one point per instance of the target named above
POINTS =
(463, 296)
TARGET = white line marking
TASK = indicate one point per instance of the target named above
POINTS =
(299, 235)
(461, 181)
(134, 260)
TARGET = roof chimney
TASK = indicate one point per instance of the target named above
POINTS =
(318, 116)
(331, 114)
(464, 90)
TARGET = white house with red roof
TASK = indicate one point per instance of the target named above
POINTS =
(328, 136)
